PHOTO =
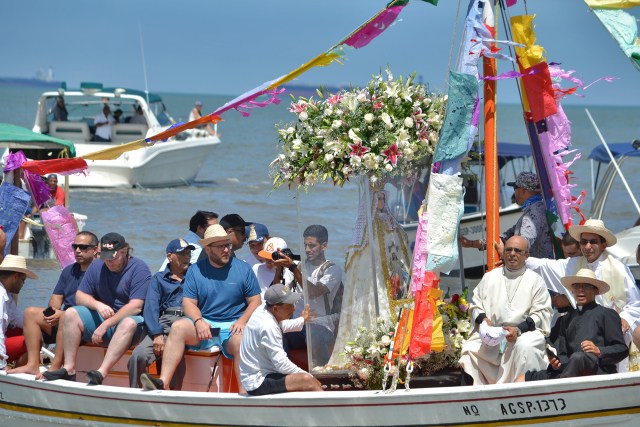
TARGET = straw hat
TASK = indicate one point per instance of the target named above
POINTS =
(594, 226)
(584, 275)
(18, 264)
(213, 234)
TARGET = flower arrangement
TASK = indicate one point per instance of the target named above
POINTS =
(386, 129)
(366, 353)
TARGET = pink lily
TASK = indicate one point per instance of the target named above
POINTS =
(358, 150)
(392, 154)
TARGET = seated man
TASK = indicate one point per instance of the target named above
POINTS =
(13, 273)
(109, 302)
(162, 307)
(516, 299)
(588, 339)
(40, 325)
(197, 225)
(324, 286)
(264, 365)
(221, 292)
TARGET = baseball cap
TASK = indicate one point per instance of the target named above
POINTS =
(280, 294)
(233, 220)
(257, 232)
(198, 102)
(526, 180)
(272, 245)
(179, 245)
(110, 243)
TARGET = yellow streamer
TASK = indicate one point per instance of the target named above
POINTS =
(612, 4)
(321, 60)
(437, 336)
(523, 33)
(115, 152)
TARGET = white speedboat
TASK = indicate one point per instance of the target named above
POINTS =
(172, 163)
(405, 200)
(601, 184)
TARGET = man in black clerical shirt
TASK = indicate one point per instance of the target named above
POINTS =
(587, 340)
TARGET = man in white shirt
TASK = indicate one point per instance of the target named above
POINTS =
(623, 296)
(13, 273)
(264, 365)
(270, 271)
(103, 123)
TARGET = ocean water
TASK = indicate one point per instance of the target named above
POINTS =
(235, 179)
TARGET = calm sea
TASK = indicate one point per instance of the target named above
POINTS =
(236, 179)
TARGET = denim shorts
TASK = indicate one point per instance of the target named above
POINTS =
(273, 383)
(221, 340)
(91, 319)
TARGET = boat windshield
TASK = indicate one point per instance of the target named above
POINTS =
(86, 108)
(161, 113)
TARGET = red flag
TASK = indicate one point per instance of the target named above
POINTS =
(423, 318)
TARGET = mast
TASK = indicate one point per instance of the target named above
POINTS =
(492, 193)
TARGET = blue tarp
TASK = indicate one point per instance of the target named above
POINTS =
(618, 149)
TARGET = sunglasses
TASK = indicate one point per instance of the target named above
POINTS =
(82, 247)
(583, 286)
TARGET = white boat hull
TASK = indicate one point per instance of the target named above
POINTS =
(596, 400)
(165, 164)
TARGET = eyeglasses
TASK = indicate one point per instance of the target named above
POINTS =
(82, 247)
(592, 242)
(583, 287)
(222, 247)
(516, 250)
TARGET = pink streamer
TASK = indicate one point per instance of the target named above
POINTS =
(374, 28)
(240, 101)
(511, 2)
(14, 161)
(61, 228)
(39, 189)
(420, 254)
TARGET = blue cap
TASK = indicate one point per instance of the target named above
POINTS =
(257, 232)
(178, 245)
(198, 102)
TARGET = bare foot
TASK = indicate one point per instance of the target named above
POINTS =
(25, 369)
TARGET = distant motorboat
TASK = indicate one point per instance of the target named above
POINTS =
(601, 185)
(175, 162)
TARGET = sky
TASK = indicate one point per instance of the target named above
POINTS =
(230, 47)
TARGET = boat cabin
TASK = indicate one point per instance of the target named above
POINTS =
(138, 112)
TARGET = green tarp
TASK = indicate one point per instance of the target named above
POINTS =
(17, 137)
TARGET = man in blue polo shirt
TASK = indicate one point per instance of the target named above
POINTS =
(162, 307)
(46, 324)
(221, 292)
(109, 302)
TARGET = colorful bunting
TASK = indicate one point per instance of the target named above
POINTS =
(62, 166)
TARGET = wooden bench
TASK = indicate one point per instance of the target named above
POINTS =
(197, 377)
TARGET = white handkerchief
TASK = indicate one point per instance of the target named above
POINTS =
(491, 335)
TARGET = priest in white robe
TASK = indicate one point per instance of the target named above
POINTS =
(514, 303)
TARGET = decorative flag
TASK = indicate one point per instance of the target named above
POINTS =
(63, 166)
(61, 228)
(14, 202)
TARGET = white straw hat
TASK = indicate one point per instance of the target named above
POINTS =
(214, 233)
(18, 264)
(594, 226)
(584, 275)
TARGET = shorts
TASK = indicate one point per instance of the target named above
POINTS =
(273, 383)
(91, 319)
(50, 338)
(15, 345)
(221, 340)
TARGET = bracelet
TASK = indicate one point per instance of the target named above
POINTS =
(196, 321)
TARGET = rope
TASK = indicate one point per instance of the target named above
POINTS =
(453, 39)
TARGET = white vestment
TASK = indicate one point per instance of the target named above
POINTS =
(508, 299)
